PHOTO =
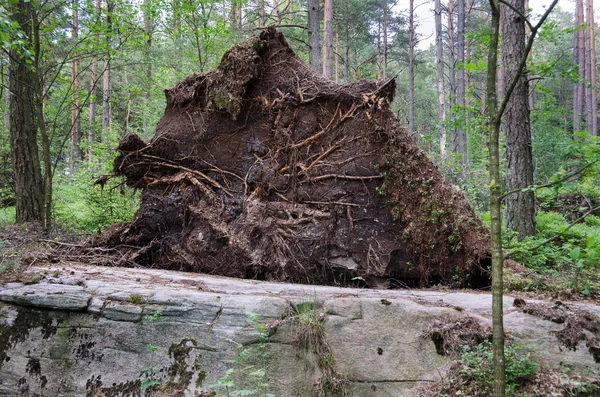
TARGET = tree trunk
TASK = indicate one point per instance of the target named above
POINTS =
(328, 42)
(277, 11)
(314, 35)
(76, 154)
(439, 52)
(460, 89)
(452, 77)
(291, 12)
(106, 86)
(148, 64)
(94, 86)
(261, 12)
(520, 207)
(496, 207)
(27, 175)
(177, 33)
(579, 62)
(385, 38)
(593, 107)
(411, 66)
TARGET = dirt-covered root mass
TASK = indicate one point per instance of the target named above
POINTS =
(264, 169)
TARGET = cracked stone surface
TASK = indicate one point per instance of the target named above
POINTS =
(84, 329)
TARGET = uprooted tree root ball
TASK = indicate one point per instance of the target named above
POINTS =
(264, 169)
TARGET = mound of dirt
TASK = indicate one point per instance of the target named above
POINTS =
(265, 169)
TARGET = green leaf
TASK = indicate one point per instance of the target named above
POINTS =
(591, 241)
(575, 253)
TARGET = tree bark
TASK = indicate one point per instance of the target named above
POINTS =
(520, 207)
(76, 154)
(328, 42)
(148, 63)
(106, 86)
(593, 93)
(94, 85)
(385, 38)
(411, 65)
(27, 175)
(499, 385)
(579, 62)
(439, 52)
(314, 35)
(452, 77)
(261, 13)
(460, 89)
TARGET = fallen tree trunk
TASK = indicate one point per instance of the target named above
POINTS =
(264, 169)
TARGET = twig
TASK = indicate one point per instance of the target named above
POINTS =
(337, 176)
(331, 203)
(566, 177)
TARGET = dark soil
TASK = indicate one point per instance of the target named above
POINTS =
(264, 169)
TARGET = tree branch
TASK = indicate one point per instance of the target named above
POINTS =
(549, 184)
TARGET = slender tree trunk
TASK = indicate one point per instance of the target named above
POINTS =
(106, 86)
(452, 77)
(261, 13)
(520, 207)
(439, 52)
(337, 58)
(495, 208)
(94, 85)
(593, 95)
(177, 33)
(468, 92)
(579, 62)
(314, 35)
(460, 89)
(76, 154)
(385, 37)
(40, 105)
(148, 63)
(277, 11)
(411, 65)
(328, 42)
(291, 12)
(27, 175)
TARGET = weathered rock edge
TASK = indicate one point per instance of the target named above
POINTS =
(376, 335)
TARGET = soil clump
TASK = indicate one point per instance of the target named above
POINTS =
(265, 169)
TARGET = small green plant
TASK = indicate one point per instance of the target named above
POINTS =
(136, 299)
(150, 378)
(250, 363)
(475, 369)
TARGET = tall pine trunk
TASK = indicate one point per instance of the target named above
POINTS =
(76, 154)
(592, 116)
(460, 89)
(411, 67)
(27, 174)
(452, 77)
(314, 35)
(106, 84)
(439, 52)
(328, 41)
(148, 64)
(520, 207)
(579, 62)
(94, 84)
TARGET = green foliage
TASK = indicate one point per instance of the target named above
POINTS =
(476, 372)
(249, 364)
(81, 204)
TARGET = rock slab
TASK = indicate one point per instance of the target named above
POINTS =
(112, 332)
